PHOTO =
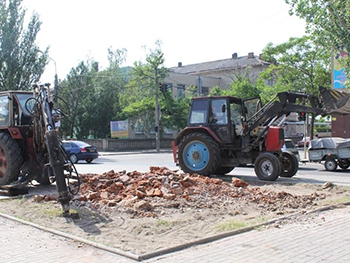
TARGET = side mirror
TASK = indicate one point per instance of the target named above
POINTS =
(223, 107)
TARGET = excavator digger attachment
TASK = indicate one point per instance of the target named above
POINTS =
(335, 101)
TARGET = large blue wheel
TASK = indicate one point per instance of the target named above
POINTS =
(199, 153)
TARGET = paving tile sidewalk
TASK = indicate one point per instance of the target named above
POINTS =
(319, 237)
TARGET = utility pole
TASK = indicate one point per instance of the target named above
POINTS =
(156, 60)
(55, 82)
(157, 108)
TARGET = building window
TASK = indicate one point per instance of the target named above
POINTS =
(180, 90)
(168, 87)
(205, 91)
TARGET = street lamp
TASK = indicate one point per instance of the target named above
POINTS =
(56, 76)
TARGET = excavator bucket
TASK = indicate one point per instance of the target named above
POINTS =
(335, 101)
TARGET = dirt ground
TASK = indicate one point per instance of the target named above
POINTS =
(146, 212)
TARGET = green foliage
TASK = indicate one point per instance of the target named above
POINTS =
(216, 91)
(76, 91)
(96, 98)
(191, 91)
(327, 21)
(174, 112)
(93, 97)
(20, 63)
(297, 65)
(243, 88)
(138, 97)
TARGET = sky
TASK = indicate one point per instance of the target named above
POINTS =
(191, 31)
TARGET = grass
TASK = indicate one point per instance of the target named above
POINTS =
(335, 201)
(238, 224)
(230, 225)
(164, 224)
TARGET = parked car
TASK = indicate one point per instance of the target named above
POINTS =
(78, 150)
(290, 146)
(304, 140)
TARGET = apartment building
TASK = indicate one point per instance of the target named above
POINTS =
(207, 75)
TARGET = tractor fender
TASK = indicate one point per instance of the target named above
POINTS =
(15, 133)
(202, 129)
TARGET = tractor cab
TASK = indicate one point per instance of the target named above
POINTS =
(224, 116)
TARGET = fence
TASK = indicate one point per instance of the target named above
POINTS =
(128, 144)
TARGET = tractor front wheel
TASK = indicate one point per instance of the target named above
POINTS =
(267, 167)
(11, 159)
(199, 153)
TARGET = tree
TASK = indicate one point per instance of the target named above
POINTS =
(103, 105)
(93, 97)
(20, 62)
(138, 99)
(328, 21)
(141, 96)
(243, 88)
(298, 65)
(76, 92)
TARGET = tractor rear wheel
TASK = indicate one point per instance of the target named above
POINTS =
(199, 153)
(289, 164)
(11, 159)
(267, 167)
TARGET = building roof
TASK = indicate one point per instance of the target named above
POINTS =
(232, 63)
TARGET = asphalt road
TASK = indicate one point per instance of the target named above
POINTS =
(308, 173)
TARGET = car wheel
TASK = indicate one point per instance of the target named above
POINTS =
(330, 165)
(344, 164)
(73, 158)
(88, 161)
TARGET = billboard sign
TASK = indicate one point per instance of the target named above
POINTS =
(338, 71)
(119, 129)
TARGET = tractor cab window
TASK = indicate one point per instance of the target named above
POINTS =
(218, 112)
(251, 106)
(4, 110)
(22, 98)
(199, 110)
(24, 107)
(236, 118)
